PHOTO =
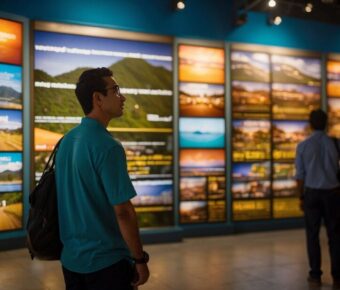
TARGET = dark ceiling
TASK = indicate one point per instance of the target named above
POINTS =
(327, 11)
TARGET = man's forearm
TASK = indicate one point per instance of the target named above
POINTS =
(127, 221)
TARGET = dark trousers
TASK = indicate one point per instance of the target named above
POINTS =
(322, 205)
(116, 277)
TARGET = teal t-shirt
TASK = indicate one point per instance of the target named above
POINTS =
(91, 177)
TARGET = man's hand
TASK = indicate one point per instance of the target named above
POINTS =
(142, 275)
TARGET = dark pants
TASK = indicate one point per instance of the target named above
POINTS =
(116, 277)
(322, 205)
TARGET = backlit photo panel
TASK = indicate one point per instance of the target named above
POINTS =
(11, 208)
(286, 208)
(296, 70)
(250, 66)
(10, 87)
(251, 189)
(244, 210)
(10, 171)
(201, 64)
(142, 69)
(201, 100)
(10, 42)
(193, 211)
(251, 171)
(201, 132)
(333, 78)
(285, 188)
(251, 140)
(284, 170)
(286, 136)
(334, 117)
(202, 162)
(193, 188)
(293, 101)
(10, 130)
(250, 99)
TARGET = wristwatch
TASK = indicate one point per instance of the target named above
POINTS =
(143, 260)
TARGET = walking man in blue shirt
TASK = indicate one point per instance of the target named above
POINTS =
(98, 224)
(316, 174)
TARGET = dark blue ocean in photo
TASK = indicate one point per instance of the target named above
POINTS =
(201, 140)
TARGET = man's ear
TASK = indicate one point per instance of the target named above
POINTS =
(97, 99)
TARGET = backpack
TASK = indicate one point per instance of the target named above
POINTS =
(43, 239)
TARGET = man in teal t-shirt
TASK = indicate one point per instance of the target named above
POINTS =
(98, 224)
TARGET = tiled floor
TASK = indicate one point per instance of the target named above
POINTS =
(257, 261)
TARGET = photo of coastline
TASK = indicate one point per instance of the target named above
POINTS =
(201, 100)
(10, 87)
(201, 132)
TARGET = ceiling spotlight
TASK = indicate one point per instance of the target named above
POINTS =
(180, 5)
(271, 3)
(274, 20)
(309, 7)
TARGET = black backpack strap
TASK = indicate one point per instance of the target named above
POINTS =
(51, 160)
(336, 146)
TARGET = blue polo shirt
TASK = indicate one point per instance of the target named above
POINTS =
(317, 161)
(91, 177)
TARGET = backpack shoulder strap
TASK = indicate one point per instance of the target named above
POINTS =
(51, 160)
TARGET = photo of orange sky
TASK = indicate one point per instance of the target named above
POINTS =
(201, 64)
(10, 42)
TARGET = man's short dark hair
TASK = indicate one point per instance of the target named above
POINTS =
(91, 81)
(318, 119)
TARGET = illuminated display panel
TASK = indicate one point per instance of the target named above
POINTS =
(286, 208)
(11, 125)
(201, 100)
(333, 93)
(201, 133)
(286, 136)
(245, 210)
(10, 86)
(201, 91)
(143, 71)
(201, 64)
(296, 70)
(10, 42)
(251, 140)
(294, 102)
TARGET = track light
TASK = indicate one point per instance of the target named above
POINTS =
(180, 5)
(271, 3)
(309, 7)
(274, 20)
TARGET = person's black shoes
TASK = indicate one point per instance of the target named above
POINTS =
(315, 282)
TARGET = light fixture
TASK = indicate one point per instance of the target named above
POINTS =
(309, 7)
(271, 3)
(274, 20)
(180, 5)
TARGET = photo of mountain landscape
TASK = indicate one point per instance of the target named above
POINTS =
(142, 69)
(250, 66)
(201, 100)
(296, 70)
(10, 130)
(10, 172)
(10, 42)
(201, 64)
(10, 87)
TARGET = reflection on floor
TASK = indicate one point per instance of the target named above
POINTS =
(268, 261)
